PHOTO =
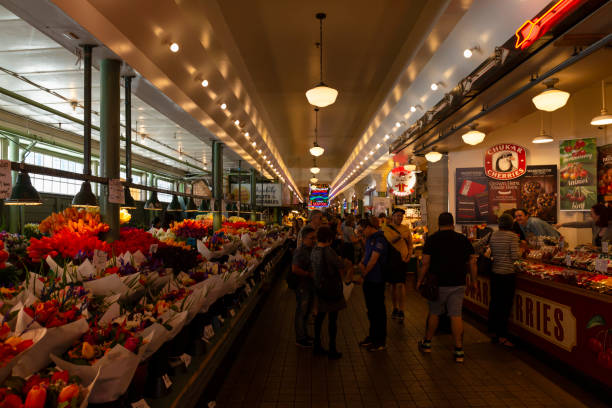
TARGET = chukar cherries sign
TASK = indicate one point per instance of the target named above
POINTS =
(505, 161)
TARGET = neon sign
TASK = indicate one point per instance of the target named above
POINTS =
(533, 29)
(401, 181)
(319, 197)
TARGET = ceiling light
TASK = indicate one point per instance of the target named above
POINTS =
(224, 106)
(314, 169)
(468, 52)
(314, 180)
(603, 119)
(410, 167)
(397, 124)
(371, 152)
(174, 47)
(321, 95)
(153, 203)
(254, 144)
(259, 151)
(551, 99)
(316, 150)
(387, 136)
(433, 156)
(413, 108)
(205, 83)
(85, 197)
(473, 137)
(360, 163)
(23, 192)
(246, 134)
(378, 146)
(237, 122)
(265, 157)
(174, 205)
(435, 86)
(543, 137)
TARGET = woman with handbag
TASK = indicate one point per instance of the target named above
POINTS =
(504, 246)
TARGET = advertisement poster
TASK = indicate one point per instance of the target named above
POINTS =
(578, 172)
(472, 196)
(604, 172)
(480, 199)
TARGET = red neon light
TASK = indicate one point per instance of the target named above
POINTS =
(531, 30)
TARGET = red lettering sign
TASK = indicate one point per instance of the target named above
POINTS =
(505, 162)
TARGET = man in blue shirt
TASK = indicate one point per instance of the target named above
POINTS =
(534, 225)
(374, 285)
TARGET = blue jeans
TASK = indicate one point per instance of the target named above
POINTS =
(304, 298)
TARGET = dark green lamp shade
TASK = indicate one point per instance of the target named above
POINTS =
(128, 201)
(23, 192)
(85, 197)
(174, 205)
(204, 206)
(191, 207)
(153, 204)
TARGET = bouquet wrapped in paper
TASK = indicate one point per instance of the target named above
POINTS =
(13, 347)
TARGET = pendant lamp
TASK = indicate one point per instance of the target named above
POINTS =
(543, 137)
(23, 192)
(321, 95)
(153, 203)
(551, 99)
(174, 204)
(473, 136)
(204, 206)
(128, 200)
(316, 150)
(191, 207)
(85, 197)
(433, 156)
(603, 119)
(314, 180)
(314, 169)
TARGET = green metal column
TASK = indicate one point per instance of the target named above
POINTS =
(360, 207)
(217, 163)
(239, 186)
(13, 210)
(253, 194)
(109, 139)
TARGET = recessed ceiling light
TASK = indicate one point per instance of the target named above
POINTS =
(397, 124)
(223, 106)
(378, 145)
(413, 108)
(237, 122)
(360, 163)
(254, 144)
(246, 134)
(174, 47)
(265, 157)
(387, 137)
(259, 151)
(371, 152)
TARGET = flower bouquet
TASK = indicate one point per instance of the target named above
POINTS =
(109, 352)
(65, 245)
(51, 388)
(190, 229)
(74, 220)
(13, 347)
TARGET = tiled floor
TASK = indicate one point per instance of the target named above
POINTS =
(270, 371)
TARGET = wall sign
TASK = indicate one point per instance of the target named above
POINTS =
(505, 161)
(604, 172)
(578, 174)
(401, 181)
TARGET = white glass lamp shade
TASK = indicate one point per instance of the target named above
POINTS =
(321, 95)
(315, 170)
(410, 167)
(550, 100)
(602, 120)
(316, 150)
(433, 156)
(314, 180)
(473, 137)
(543, 138)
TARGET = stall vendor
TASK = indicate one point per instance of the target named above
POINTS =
(534, 225)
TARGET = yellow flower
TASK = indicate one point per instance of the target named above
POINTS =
(88, 351)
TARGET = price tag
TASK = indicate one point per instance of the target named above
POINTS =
(604, 247)
(209, 332)
(6, 181)
(99, 259)
(186, 359)
(140, 404)
(568, 260)
(153, 248)
(115, 192)
(232, 312)
(167, 381)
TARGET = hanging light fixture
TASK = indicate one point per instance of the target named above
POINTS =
(174, 204)
(153, 203)
(128, 200)
(314, 169)
(23, 192)
(473, 136)
(551, 99)
(85, 197)
(191, 207)
(316, 150)
(204, 206)
(314, 180)
(321, 95)
(603, 119)
(433, 156)
(544, 137)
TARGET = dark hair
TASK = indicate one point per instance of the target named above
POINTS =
(349, 221)
(325, 234)
(363, 223)
(505, 222)
(510, 212)
(305, 231)
(445, 219)
(156, 221)
(382, 215)
(604, 215)
(521, 209)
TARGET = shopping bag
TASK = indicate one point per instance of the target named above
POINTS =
(347, 289)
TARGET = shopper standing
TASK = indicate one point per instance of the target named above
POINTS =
(349, 238)
(374, 285)
(400, 252)
(304, 286)
(315, 219)
(600, 224)
(448, 255)
(504, 246)
(329, 272)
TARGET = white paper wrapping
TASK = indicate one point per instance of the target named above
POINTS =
(107, 286)
(159, 334)
(35, 336)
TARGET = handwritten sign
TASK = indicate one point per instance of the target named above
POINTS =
(115, 192)
(6, 182)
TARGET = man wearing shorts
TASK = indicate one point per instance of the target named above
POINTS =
(448, 255)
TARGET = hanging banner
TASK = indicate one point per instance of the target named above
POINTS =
(401, 181)
(578, 172)
(604, 173)
(505, 161)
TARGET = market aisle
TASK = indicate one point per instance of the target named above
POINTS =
(270, 371)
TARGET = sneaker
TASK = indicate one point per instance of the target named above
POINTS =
(459, 355)
(365, 342)
(400, 315)
(318, 350)
(304, 343)
(376, 347)
(424, 346)
(334, 355)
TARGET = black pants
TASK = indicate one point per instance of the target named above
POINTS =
(374, 294)
(502, 296)
(332, 328)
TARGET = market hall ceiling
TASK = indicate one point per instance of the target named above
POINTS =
(259, 58)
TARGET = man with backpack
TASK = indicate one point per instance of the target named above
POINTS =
(300, 279)
(374, 285)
